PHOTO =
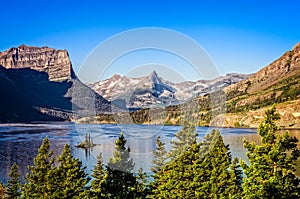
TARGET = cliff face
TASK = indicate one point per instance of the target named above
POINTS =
(56, 63)
(39, 84)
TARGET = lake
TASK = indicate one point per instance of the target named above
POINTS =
(19, 142)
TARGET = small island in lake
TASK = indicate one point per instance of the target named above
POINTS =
(87, 143)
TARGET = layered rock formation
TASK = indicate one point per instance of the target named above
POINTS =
(56, 63)
(39, 84)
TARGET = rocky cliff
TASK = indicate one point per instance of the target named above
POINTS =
(56, 63)
(39, 84)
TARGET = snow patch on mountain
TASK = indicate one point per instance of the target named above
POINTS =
(153, 90)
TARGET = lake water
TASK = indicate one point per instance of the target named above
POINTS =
(19, 142)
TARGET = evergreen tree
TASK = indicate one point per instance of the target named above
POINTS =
(203, 170)
(183, 139)
(159, 156)
(120, 182)
(270, 173)
(98, 183)
(142, 188)
(39, 178)
(238, 172)
(176, 178)
(70, 176)
(13, 185)
(159, 161)
(216, 175)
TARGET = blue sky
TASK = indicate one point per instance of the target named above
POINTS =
(239, 36)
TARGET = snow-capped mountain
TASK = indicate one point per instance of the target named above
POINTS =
(152, 90)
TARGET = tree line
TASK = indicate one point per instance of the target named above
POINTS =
(191, 169)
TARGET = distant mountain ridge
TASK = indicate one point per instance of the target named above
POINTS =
(153, 90)
(242, 104)
(39, 84)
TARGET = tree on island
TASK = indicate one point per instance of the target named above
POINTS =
(2, 190)
(271, 172)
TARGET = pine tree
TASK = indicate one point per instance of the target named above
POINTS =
(98, 183)
(203, 170)
(39, 178)
(159, 156)
(142, 188)
(159, 161)
(216, 175)
(238, 172)
(120, 182)
(173, 177)
(271, 172)
(70, 176)
(176, 178)
(13, 185)
(183, 139)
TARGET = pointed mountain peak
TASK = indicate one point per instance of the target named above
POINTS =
(115, 77)
(153, 73)
(154, 77)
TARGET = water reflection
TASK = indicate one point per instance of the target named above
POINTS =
(19, 142)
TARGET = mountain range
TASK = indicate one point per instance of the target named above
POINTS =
(154, 91)
(242, 104)
(39, 83)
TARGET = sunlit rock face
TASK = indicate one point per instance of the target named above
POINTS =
(56, 63)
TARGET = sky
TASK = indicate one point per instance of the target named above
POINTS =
(238, 35)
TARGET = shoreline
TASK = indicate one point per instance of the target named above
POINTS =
(32, 123)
